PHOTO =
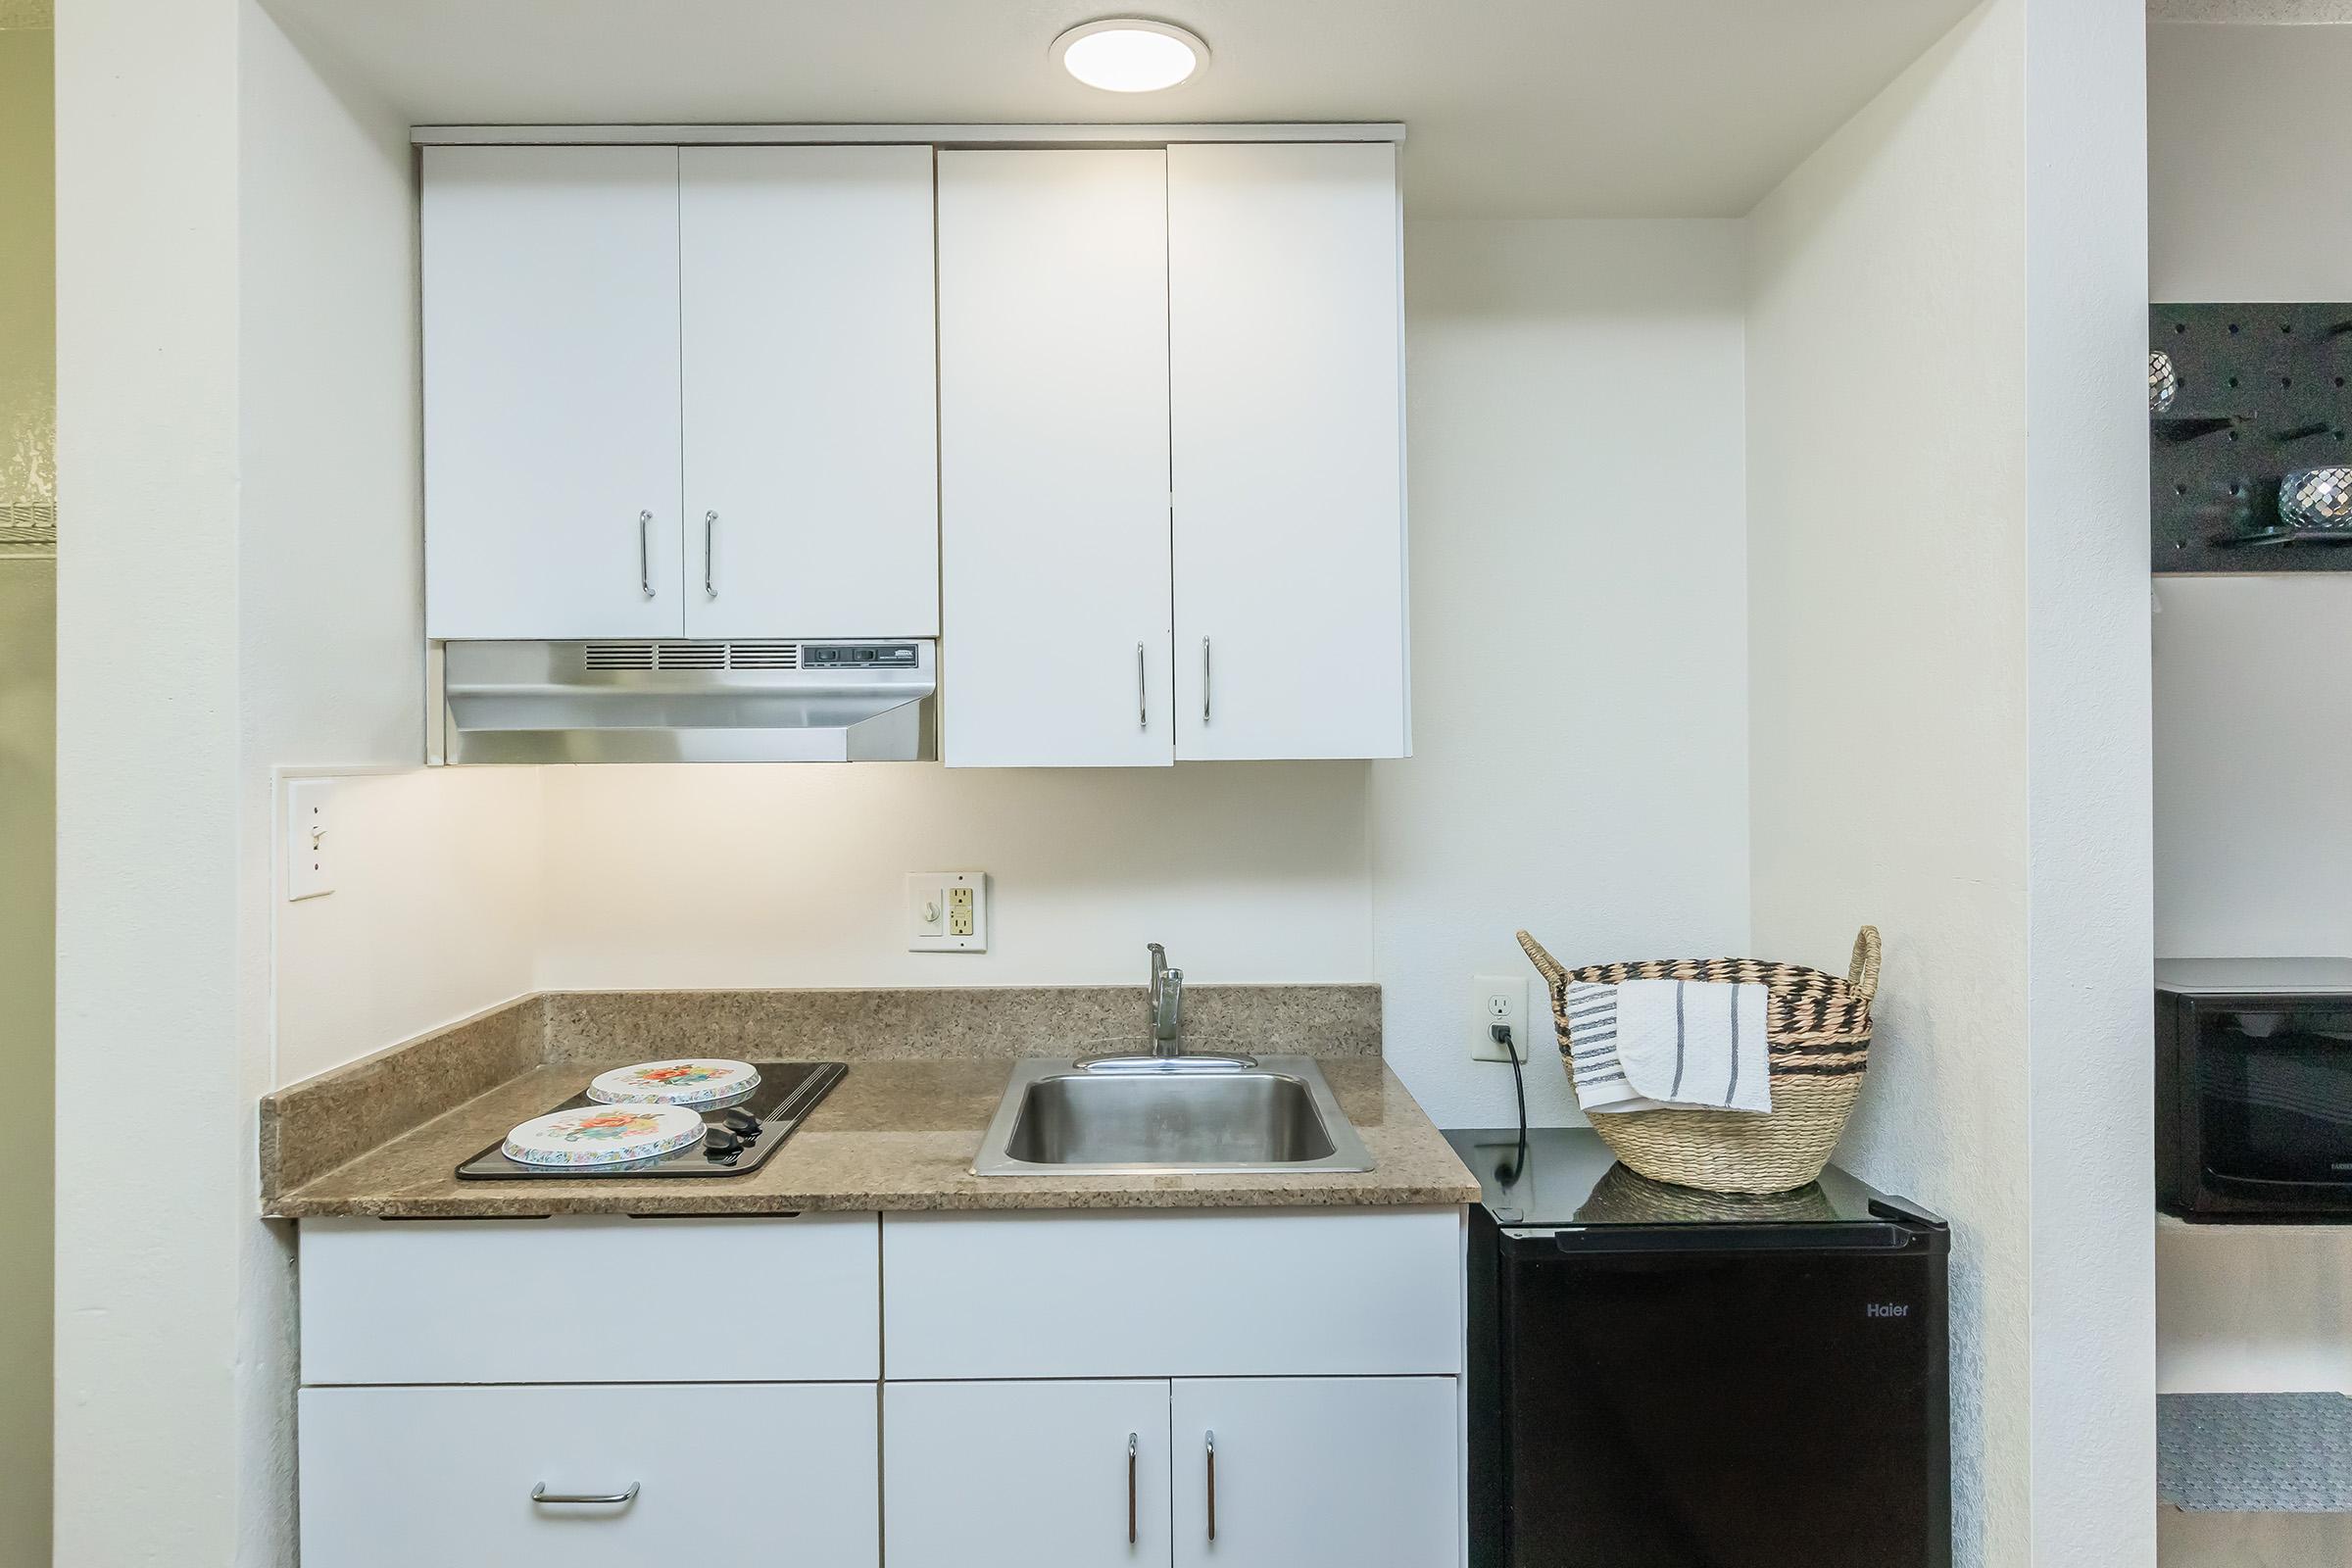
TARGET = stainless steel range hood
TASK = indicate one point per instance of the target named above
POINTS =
(685, 701)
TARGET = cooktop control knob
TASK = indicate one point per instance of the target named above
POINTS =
(742, 1122)
(722, 1145)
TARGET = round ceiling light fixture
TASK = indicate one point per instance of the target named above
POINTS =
(1127, 54)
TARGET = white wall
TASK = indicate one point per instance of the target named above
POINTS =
(237, 386)
(685, 876)
(1579, 625)
(2253, 724)
(1948, 716)
(435, 914)
(151, 1276)
(1886, 539)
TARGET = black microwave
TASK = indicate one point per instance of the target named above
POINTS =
(2254, 1089)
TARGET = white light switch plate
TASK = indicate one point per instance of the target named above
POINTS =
(1498, 999)
(309, 838)
(947, 911)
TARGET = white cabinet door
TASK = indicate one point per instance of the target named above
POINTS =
(1025, 1475)
(809, 390)
(1284, 316)
(394, 1478)
(1315, 1473)
(550, 392)
(1054, 459)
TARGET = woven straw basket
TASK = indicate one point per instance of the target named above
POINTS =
(1819, 1027)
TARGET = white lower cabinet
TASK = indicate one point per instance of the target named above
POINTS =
(397, 1477)
(1314, 1472)
(1240, 1472)
(1025, 1475)
(1315, 1354)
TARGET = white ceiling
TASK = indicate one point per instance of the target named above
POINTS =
(1516, 108)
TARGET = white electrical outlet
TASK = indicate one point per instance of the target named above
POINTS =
(947, 911)
(310, 847)
(1497, 1000)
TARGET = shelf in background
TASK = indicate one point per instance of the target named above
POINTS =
(2263, 391)
(2255, 1452)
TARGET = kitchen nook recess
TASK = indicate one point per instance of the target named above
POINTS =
(1013, 446)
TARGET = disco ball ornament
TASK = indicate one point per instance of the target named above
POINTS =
(2317, 500)
(2164, 384)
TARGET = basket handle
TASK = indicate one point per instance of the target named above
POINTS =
(1863, 973)
(1546, 964)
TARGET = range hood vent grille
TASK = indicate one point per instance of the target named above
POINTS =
(690, 655)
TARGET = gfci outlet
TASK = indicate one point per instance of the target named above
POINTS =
(947, 911)
(1497, 1000)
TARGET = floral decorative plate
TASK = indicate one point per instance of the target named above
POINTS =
(604, 1135)
(690, 1081)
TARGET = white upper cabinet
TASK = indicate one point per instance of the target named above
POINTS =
(1171, 430)
(1054, 459)
(679, 393)
(1122, 428)
(805, 315)
(1287, 385)
(550, 392)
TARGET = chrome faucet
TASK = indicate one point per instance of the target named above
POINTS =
(1167, 1033)
(1168, 1005)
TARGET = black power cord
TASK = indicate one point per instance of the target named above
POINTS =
(1501, 1034)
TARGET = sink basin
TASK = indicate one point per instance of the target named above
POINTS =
(1059, 1120)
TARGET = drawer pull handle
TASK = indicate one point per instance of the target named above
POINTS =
(540, 1495)
(1131, 1489)
(1211, 1443)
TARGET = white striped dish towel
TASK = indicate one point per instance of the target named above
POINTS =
(1647, 1045)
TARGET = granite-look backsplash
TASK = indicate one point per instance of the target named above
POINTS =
(935, 1023)
(309, 1128)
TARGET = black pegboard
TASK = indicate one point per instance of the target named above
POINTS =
(2262, 393)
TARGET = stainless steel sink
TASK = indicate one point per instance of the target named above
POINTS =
(1057, 1118)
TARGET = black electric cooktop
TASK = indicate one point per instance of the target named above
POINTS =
(738, 1136)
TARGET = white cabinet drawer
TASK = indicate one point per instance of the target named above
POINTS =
(1120, 1293)
(590, 1300)
(393, 1478)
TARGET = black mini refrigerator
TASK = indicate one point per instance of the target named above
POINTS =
(1662, 1378)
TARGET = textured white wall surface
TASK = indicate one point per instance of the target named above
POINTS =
(2253, 720)
(154, 1279)
(1580, 626)
(1888, 682)
(1947, 599)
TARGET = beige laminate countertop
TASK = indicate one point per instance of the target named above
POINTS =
(894, 1134)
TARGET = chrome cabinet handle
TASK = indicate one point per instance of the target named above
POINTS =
(540, 1495)
(1131, 1489)
(1209, 1440)
(1203, 680)
(645, 554)
(1143, 704)
(709, 580)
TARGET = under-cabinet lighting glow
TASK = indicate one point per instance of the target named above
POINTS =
(1126, 54)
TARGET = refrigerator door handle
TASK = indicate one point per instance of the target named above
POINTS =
(1686, 1239)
